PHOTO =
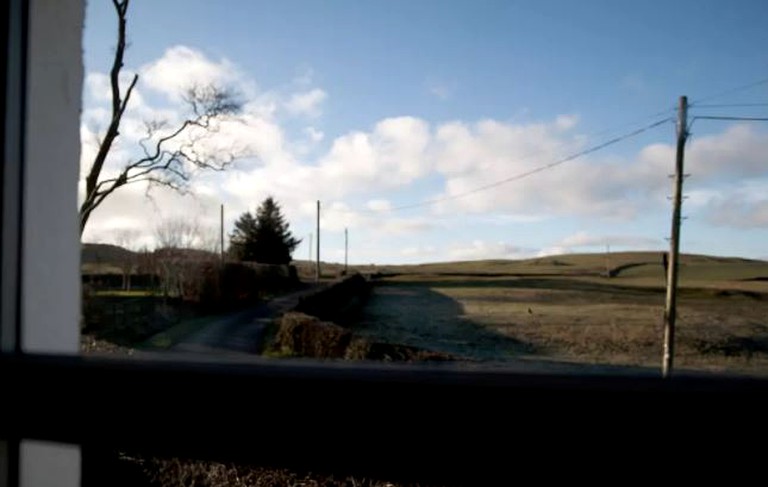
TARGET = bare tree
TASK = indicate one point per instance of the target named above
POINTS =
(148, 268)
(181, 244)
(170, 153)
(177, 233)
(126, 239)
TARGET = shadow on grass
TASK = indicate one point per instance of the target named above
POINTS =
(618, 270)
(553, 283)
(414, 315)
(574, 285)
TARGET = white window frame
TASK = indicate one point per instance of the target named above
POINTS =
(40, 244)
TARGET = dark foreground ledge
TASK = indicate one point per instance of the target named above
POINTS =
(439, 424)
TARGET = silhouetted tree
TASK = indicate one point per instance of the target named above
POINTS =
(264, 238)
(126, 238)
(181, 243)
(170, 153)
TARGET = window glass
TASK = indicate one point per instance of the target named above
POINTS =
(453, 184)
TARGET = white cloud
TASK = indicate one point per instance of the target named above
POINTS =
(419, 251)
(401, 226)
(474, 156)
(507, 219)
(313, 134)
(482, 154)
(306, 103)
(737, 152)
(97, 85)
(357, 163)
(181, 67)
(131, 209)
(480, 250)
(698, 198)
(336, 216)
(379, 205)
(440, 90)
(396, 154)
(584, 239)
(553, 250)
(566, 122)
(740, 214)
(305, 76)
(95, 118)
(745, 206)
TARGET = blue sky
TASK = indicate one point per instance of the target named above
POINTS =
(369, 106)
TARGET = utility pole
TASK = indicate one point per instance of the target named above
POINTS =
(346, 249)
(221, 233)
(670, 309)
(317, 264)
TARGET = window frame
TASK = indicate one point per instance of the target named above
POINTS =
(441, 423)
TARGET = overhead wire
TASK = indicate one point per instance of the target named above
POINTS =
(536, 170)
(731, 105)
(730, 91)
(697, 103)
(519, 176)
(744, 119)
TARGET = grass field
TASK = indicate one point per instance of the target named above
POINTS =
(566, 308)
(139, 293)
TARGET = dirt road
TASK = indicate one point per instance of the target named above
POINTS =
(240, 332)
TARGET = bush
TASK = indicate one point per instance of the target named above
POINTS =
(338, 302)
(215, 287)
(306, 336)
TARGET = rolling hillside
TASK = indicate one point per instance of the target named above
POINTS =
(633, 268)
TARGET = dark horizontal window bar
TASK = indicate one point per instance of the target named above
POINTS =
(438, 424)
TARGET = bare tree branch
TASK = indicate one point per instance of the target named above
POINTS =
(181, 243)
(170, 156)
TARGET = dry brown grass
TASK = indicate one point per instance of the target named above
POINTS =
(138, 471)
(722, 313)
(90, 344)
(306, 336)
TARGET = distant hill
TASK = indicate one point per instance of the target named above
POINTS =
(91, 253)
(113, 254)
(632, 265)
(625, 265)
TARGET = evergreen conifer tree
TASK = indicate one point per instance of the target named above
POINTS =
(264, 238)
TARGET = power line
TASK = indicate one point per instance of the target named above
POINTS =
(527, 156)
(731, 91)
(745, 119)
(742, 119)
(615, 140)
(525, 174)
(732, 105)
(635, 122)
(539, 169)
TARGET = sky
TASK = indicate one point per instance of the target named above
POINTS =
(448, 130)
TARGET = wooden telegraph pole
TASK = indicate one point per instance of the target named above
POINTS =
(317, 264)
(346, 249)
(670, 309)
